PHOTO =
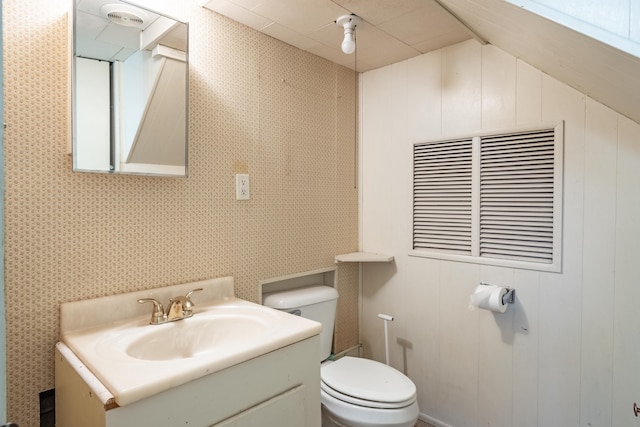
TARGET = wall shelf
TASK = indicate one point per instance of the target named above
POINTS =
(364, 257)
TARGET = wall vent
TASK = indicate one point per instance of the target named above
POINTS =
(491, 198)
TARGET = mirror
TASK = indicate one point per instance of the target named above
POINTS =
(129, 90)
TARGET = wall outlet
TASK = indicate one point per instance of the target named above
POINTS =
(242, 186)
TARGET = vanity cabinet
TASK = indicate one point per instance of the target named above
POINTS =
(280, 388)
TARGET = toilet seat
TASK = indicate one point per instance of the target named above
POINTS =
(367, 383)
(362, 402)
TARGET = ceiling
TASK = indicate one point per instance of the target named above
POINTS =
(395, 30)
(392, 30)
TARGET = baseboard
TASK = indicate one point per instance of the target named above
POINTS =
(433, 421)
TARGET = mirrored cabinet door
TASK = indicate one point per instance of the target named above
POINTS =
(130, 87)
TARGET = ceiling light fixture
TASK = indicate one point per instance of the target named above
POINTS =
(349, 23)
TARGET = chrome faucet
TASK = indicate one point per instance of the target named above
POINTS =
(180, 307)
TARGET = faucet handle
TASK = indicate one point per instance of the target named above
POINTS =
(158, 315)
(188, 304)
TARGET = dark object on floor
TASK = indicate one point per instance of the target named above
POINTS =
(47, 408)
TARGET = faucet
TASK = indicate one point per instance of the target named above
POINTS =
(180, 307)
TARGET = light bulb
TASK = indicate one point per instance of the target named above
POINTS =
(348, 44)
(349, 24)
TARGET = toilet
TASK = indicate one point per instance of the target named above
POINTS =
(355, 392)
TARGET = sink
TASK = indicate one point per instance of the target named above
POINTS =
(132, 359)
(217, 330)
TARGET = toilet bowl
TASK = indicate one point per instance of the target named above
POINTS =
(364, 393)
(355, 392)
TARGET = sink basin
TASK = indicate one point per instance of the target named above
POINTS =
(215, 330)
(133, 359)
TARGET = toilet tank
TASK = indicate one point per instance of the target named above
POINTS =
(311, 302)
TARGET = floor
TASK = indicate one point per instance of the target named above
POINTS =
(423, 424)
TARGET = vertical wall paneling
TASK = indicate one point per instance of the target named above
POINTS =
(461, 88)
(626, 318)
(383, 123)
(560, 294)
(598, 264)
(528, 94)
(424, 98)
(495, 355)
(422, 308)
(458, 336)
(498, 88)
(399, 170)
(526, 334)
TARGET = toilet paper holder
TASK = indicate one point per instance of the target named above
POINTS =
(509, 297)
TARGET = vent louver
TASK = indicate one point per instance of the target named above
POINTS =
(516, 196)
(493, 199)
(442, 185)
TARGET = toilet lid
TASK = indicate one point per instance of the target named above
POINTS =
(368, 380)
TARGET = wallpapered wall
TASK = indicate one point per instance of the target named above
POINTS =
(257, 106)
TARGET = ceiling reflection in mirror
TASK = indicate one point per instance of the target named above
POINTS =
(130, 85)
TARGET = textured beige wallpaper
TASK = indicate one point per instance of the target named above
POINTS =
(257, 106)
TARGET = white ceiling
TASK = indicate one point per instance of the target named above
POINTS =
(392, 30)
(395, 30)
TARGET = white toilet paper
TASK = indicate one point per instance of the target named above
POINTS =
(488, 297)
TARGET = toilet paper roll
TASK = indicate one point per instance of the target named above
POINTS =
(488, 297)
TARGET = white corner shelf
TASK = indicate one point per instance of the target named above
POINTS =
(364, 257)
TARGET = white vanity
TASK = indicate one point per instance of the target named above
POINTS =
(233, 363)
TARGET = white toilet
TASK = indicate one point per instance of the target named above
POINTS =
(355, 392)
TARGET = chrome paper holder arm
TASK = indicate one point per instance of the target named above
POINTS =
(509, 297)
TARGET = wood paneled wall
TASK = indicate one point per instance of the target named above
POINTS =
(565, 354)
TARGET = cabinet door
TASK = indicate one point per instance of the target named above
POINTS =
(283, 410)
